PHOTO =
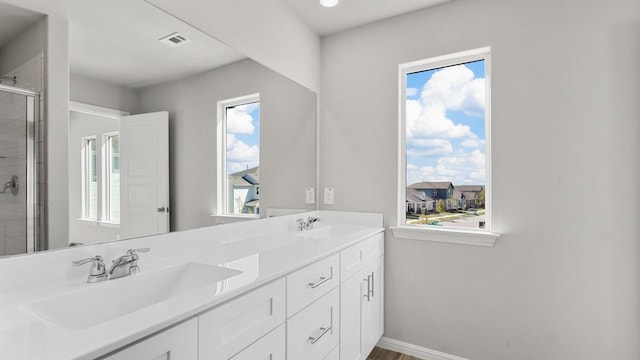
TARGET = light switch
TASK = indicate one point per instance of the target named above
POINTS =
(310, 195)
(328, 196)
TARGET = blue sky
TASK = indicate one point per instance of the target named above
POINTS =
(243, 137)
(445, 116)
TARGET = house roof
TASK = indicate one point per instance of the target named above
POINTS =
(470, 188)
(440, 185)
(248, 177)
(415, 196)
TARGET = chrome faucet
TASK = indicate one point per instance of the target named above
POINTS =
(126, 264)
(306, 224)
(97, 272)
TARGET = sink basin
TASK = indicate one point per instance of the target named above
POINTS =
(104, 301)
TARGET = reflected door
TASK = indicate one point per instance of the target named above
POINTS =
(144, 156)
(17, 184)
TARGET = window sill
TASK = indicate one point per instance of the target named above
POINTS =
(226, 219)
(99, 223)
(452, 236)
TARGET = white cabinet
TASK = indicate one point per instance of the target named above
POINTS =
(311, 282)
(178, 342)
(362, 302)
(231, 327)
(314, 332)
(269, 347)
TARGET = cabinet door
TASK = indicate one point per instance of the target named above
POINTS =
(233, 326)
(352, 298)
(178, 342)
(315, 331)
(270, 347)
(373, 306)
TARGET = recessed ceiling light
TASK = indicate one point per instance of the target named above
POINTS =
(329, 3)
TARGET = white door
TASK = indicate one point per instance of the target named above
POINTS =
(144, 174)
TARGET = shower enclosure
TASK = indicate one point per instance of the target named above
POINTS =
(18, 113)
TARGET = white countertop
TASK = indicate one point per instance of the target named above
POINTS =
(263, 250)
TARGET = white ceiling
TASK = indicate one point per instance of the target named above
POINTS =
(117, 40)
(352, 13)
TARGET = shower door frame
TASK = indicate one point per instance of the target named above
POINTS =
(32, 105)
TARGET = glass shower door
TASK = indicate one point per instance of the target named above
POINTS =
(17, 181)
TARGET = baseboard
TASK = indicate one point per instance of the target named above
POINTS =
(415, 350)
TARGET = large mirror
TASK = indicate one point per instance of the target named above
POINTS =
(168, 128)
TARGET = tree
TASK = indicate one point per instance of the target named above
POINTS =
(480, 199)
(441, 206)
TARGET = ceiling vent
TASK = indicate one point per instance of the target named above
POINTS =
(175, 39)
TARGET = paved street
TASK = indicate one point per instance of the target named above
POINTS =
(470, 222)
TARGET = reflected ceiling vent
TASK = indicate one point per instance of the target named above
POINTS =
(175, 39)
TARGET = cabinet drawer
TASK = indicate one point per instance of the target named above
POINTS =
(311, 282)
(334, 354)
(270, 347)
(178, 342)
(231, 327)
(314, 332)
(354, 258)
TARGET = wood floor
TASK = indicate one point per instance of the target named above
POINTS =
(383, 354)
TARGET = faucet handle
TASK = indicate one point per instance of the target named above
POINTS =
(98, 272)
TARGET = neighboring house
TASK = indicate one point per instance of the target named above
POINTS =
(454, 197)
(467, 194)
(437, 190)
(419, 203)
(244, 189)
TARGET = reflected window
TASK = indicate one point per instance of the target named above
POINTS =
(112, 178)
(239, 156)
(89, 179)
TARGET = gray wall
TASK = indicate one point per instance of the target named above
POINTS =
(287, 138)
(91, 91)
(563, 282)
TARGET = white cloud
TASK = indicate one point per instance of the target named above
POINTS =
(465, 167)
(473, 143)
(428, 147)
(239, 121)
(456, 88)
(432, 122)
(412, 92)
(240, 151)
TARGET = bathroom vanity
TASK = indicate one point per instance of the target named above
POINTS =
(260, 289)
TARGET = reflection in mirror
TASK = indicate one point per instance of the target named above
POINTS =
(130, 60)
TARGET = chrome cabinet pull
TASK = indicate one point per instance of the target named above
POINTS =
(323, 280)
(368, 293)
(372, 285)
(322, 333)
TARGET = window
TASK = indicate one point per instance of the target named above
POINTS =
(112, 177)
(101, 178)
(445, 142)
(239, 156)
(89, 179)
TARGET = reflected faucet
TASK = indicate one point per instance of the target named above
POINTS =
(306, 224)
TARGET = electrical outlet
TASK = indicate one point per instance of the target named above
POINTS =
(310, 195)
(328, 196)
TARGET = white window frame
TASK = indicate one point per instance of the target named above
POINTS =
(484, 237)
(106, 178)
(86, 178)
(109, 114)
(222, 216)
